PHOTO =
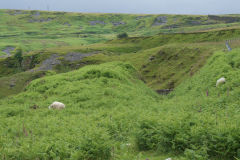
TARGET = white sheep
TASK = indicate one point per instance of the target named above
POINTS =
(57, 105)
(220, 81)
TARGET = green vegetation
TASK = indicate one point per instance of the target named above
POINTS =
(206, 126)
(107, 81)
(108, 99)
(18, 56)
(38, 30)
(163, 60)
(101, 103)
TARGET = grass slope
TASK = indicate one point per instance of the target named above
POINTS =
(36, 30)
(163, 60)
(103, 105)
(199, 119)
(108, 108)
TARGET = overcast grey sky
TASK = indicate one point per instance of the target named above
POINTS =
(129, 6)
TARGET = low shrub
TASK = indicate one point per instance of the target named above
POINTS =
(122, 35)
(197, 137)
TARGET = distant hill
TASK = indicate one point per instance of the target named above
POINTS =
(37, 30)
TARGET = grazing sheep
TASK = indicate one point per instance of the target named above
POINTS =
(220, 81)
(57, 105)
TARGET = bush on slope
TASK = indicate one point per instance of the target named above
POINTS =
(200, 126)
(103, 104)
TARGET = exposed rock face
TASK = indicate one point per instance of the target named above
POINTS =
(34, 106)
(164, 91)
(16, 12)
(8, 51)
(77, 56)
(118, 23)
(49, 63)
(228, 46)
(12, 83)
(151, 58)
(161, 20)
(40, 20)
(67, 24)
(141, 17)
(37, 14)
(171, 26)
(93, 23)
(53, 60)
(226, 19)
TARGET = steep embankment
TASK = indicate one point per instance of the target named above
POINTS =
(198, 118)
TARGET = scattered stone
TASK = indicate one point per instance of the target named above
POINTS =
(12, 84)
(18, 12)
(118, 23)
(171, 26)
(40, 20)
(72, 57)
(151, 58)
(161, 20)
(53, 60)
(175, 19)
(93, 23)
(141, 17)
(226, 19)
(36, 14)
(228, 46)
(67, 24)
(34, 107)
(49, 63)
(164, 91)
(144, 66)
(15, 12)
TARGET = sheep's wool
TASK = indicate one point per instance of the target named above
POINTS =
(57, 105)
(220, 81)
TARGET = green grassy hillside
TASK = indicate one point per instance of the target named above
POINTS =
(110, 113)
(37, 30)
(163, 60)
(103, 104)
(199, 119)
(108, 85)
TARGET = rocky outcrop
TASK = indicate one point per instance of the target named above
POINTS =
(40, 20)
(118, 23)
(161, 20)
(8, 51)
(54, 60)
(226, 19)
(93, 23)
